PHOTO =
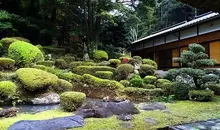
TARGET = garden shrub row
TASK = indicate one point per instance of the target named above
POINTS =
(92, 69)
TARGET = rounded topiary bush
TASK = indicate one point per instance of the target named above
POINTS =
(61, 63)
(70, 101)
(149, 86)
(100, 55)
(124, 70)
(201, 95)
(35, 79)
(5, 43)
(7, 89)
(138, 58)
(160, 82)
(6, 63)
(150, 79)
(24, 53)
(146, 70)
(125, 83)
(166, 88)
(150, 62)
(104, 74)
(114, 62)
(62, 86)
(180, 91)
(136, 81)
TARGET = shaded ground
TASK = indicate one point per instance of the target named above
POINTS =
(178, 113)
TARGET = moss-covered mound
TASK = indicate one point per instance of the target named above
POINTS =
(98, 88)
(24, 53)
(70, 101)
(35, 79)
(7, 89)
(92, 69)
(62, 86)
(100, 55)
(5, 43)
(6, 63)
(104, 74)
(46, 63)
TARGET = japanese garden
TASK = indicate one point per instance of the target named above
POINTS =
(109, 65)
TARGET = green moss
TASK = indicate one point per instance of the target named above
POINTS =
(150, 80)
(62, 86)
(114, 62)
(125, 83)
(34, 79)
(179, 114)
(136, 81)
(69, 59)
(150, 62)
(100, 55)
(162, 81)
(6, 63)
(24, 53)
(61, 63)
(46, 63)
(70, 101)
(149, 86)
(201, 95)
(104, 74)
(124, 70)
(92, 69)
(7, 76)
(5, 43)
(97, 82)
(146, 70)
(7, 89)
(75, 64)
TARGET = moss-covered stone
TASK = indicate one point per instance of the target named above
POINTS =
(7, 89)
(24, 53)
(46, 63)
(104, 74)
(62, 86)
(6, 63)
(70, 101)
(123, 71)
(5, 43)
(35, 79)
(92, 69)
(4, 75)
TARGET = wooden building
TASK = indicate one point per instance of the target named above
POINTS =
(168, 43)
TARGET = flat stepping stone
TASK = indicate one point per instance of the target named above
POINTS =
(152, 106)
(61, 123)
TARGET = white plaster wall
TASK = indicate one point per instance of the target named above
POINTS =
(190, 32)
(209, 27)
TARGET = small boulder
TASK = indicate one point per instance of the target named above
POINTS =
(52, 98)
(127, 125)
(10, 112)
(152, 106)
(151, 121)
(125, 117)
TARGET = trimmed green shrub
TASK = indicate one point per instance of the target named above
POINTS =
(146, 70)
(70, 101)
(172, 74)
(75, 64)
(150, 62)
(97, 82)
(162, 81)
(69, 59)
(201, 95)
(24, 53)
(214, 87)
(180, 91)
(133, 61)
(166, 88)
(46, 63)
(70, 77)
(150, 80)
(125, 83)
(132, 91)
(35, 79)
(211, 78)
(7, 89)
(114, 62)
(62, 86)
(61, 63)
(6, 63)
(104, 74)
(124, 70)
(92, 69)
(100, 55)
(136, 81)
(138, 58)
(149, 86)
(5, 43)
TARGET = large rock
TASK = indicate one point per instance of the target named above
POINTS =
(52, 124)
(10, 112)
(106, 109)
(52, 98)
(152, 106)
